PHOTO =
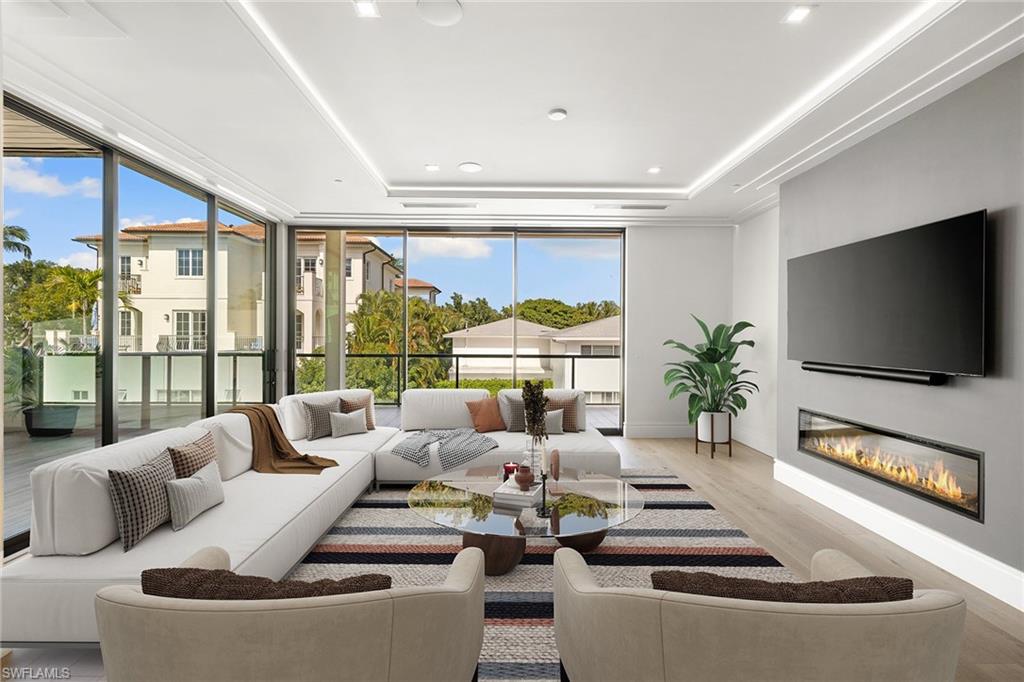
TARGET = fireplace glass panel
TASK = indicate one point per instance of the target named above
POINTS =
(941, 473)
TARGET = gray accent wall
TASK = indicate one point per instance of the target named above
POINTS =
(962, 153)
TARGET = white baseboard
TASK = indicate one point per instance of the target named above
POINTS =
(634, 430)
(1002, 581)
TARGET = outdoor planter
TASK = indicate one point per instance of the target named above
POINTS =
(50, 421)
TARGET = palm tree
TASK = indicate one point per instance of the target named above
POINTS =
(16, 240)
(82, 289)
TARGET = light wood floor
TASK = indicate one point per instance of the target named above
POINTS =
(793, 527)
(790, 526)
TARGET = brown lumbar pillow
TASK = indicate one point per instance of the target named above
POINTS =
(190, 458)
(204, 583)
(486, 415)
(849, 591)
(348, 406)
(568, 407)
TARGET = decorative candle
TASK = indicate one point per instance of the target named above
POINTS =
(510, 468)
(544, 460)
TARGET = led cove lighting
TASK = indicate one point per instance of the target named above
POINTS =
(431, 167)
(367, 9)
(654, 170)
(470, 167)
(239, 198)
(797, 14)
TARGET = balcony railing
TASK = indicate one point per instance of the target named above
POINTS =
(181, 342)
(130, 284)
(384, 373)
(302, 286)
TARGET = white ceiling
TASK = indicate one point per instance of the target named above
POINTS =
(275, 100)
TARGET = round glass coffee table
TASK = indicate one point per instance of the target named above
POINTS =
(582, 507)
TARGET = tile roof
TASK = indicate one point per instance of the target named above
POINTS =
(415, 283)
(136, 233)
(502, 328)
(605, 328)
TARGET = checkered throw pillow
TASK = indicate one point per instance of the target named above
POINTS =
(140, 498)
(348, 406)
(568, 407)
(318, 419)
(513, 412)
(188, 459)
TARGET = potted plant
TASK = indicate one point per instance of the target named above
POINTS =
(23, 384)
(712, 379)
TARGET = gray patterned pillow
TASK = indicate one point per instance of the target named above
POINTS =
(349, 424)
(190, 497)
(553, 422)
(188, 459)
(513, 412)
(140, 498)
(318, 418)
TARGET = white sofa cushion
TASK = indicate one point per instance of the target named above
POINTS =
(266, 523)
(556, 394)
(232, 437)
(586, 451)
(293, 417)
(72, 512)
(439, 408)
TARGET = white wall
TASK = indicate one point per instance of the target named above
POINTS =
(755, 298)
(670, 273)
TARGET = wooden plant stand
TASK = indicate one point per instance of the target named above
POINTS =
(697, 441)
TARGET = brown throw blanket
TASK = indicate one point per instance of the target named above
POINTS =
(272, 453)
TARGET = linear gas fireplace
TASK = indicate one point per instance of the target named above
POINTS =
(947, 475)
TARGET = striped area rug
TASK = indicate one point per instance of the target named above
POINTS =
(676, 529)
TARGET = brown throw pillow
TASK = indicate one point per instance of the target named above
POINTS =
(203, 583)
(190, 458)
(360, 404)
(486, 415)
(849, 591)
(568, 407)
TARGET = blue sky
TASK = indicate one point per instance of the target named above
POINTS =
(57, 199)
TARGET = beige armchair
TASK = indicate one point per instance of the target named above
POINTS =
(645, 635)
(411, 633)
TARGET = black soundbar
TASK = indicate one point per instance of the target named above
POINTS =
(909, 376)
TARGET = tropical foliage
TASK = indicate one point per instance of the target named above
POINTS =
(710, 376)
(16, 240)
(375, 328)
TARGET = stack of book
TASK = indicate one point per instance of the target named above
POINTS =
(508, 494)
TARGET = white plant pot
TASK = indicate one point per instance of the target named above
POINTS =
(721, 422)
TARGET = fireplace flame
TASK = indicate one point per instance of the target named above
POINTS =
(936, 480)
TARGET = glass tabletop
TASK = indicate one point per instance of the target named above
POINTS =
(579, 504)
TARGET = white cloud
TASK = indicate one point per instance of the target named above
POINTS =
(79, 259)
(448, 247)
(25, 176)
(138, 220)
(11, 213)
(583, 249)
(187, 220)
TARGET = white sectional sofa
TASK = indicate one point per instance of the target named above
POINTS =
(267, 522)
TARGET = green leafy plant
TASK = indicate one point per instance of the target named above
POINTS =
(710, 376)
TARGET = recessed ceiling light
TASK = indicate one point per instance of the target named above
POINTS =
(470, 167)
(431, 167)
(367, 9)
(558, 114)
(797, 14)
(339, 180)
(654, 170)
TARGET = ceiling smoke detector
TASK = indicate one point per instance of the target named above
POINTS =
(558, 114)
(440, 12)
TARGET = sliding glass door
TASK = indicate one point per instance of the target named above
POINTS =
(431, 308)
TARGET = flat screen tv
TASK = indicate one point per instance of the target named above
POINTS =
(910, 300)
